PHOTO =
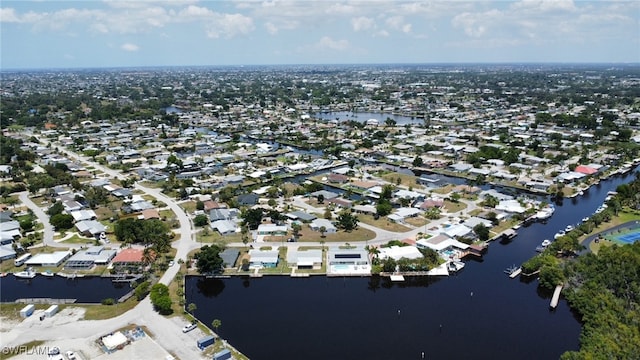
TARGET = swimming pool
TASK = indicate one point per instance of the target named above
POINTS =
(449, 253)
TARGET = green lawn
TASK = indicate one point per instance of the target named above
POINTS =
(405, 179)
(359, 234)
(382, 223)
(452, 207)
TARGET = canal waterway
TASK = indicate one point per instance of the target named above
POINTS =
(477, 314)
(91, 289)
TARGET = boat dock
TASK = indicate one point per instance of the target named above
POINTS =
(45, 301)
(398, 278)
(556, 296)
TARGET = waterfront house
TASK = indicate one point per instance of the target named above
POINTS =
(86, 259)
(48, 259)
(259, 259)
(348, 261)
(229, 257)
(304, 259)
(398, 252)
(131, 258)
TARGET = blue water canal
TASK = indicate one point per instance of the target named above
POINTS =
(477, 314)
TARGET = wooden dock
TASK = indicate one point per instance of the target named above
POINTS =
(556, 296)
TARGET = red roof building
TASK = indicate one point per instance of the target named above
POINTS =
(584, 169)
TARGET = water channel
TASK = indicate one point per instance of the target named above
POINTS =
(477, 314)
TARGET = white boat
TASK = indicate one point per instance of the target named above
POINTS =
(28, 273)
(585, 219)
(546, 242)
(47, 273)
(559, 234)
(568, 228)
(545, 213)
(515, 273)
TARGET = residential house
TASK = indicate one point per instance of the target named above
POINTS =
(316, 224)
(259, 259)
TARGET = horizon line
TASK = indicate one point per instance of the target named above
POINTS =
(626, 63)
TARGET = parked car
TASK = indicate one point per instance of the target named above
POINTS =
(171, 263)
(71, 355)
(54, 351)
(189, 327)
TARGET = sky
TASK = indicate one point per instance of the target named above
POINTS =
(112, 33)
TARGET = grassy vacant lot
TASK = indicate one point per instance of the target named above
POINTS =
(452, 207)
(444, 189)
(359, 234)
(210, 237)
(100, 312)
(188, 206)
(382, 223)
(405, 179)
(416, 221)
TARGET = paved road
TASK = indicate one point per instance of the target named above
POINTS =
(47, 234)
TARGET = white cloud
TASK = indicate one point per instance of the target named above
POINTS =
(129, 47)
(476, 24)
(8, 15)
(328, 43)
(544, 5)
(229, 25)
(362, 23)
(341, 9)
(397, 23)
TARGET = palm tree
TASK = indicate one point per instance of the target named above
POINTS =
(191, 308)
(322, 231)
(216, 324)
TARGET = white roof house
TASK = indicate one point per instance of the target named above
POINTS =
(399, 252)
(511, 206)
(53, 259)
(306, 258)
(316, 224)
(441, 242)
(262, 258)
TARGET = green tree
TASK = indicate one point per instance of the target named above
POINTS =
(56, 208)
(160, 298)
(482, 232)
(320, 199)
(384, 208)
(199, 205)
(208, 259)
(61, 221)
(216, 323)
(347, 221)
(142, 290)
(417, 161)
(322, 230)
(201, 220)
(252, 217)
(191, 308)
